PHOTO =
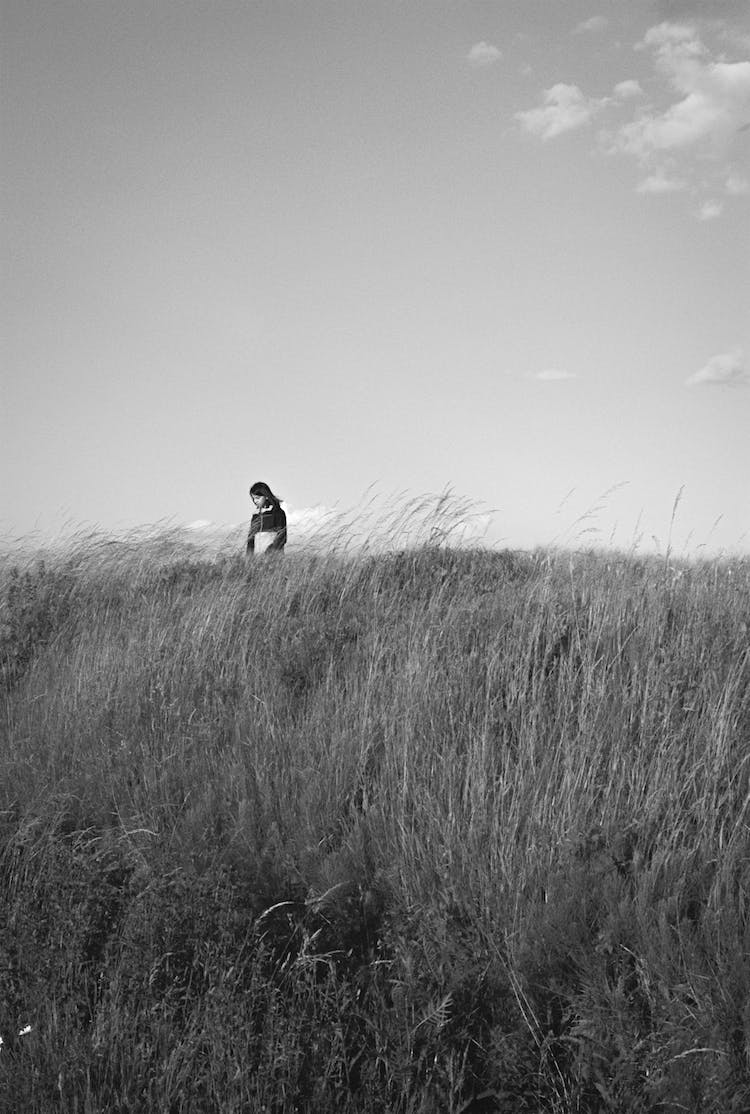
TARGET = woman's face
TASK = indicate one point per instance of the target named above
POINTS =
(259, 500)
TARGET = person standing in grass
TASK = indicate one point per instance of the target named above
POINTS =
(267, 532)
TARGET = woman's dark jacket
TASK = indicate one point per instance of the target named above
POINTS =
(271, 518)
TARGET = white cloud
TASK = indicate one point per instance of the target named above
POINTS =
(667, 32)
(564, 109)
(701, 102)
(551, 374)
(725, 370)
(308, 520)
(682, 136)
(624, 90)
(483, 54)
(595, 23)
(736, 185)
(714, 96)
(710, 210)
(661, 182)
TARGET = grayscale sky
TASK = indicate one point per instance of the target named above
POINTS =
(501, 245)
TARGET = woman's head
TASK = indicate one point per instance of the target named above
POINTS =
(261, 493)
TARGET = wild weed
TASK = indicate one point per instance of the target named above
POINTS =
(437, 829)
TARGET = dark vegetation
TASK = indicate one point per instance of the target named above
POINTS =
(440, 830)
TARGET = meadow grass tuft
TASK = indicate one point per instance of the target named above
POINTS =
(438, 828)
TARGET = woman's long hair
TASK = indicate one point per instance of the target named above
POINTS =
(263, 489)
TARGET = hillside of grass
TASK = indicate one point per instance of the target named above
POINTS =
(438, 830)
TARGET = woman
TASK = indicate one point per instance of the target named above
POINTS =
(268, 525)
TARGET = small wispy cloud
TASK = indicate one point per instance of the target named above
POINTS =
(736, 185)
(661, 182)
(595, 23)
(724, 370)
(710, 210)
(306, 520)
(564, 108)
(625, 90)
(554, 374)
(483, 54)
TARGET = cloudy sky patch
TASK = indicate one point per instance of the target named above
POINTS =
(483, 54)
(728, 369)
(564, 108)
(308, 520)
(736, 185)
(625, 90)
(554, 374)
(710, 210)
(683, 131)
(708, 103)
(661, 182)
(594, 23)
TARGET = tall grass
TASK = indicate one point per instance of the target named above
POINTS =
(442, 829)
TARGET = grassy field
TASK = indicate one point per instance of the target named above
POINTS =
(442, 830)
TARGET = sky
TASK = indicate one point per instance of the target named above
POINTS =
(500, 247)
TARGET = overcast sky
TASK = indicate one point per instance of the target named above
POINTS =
(500, 245)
